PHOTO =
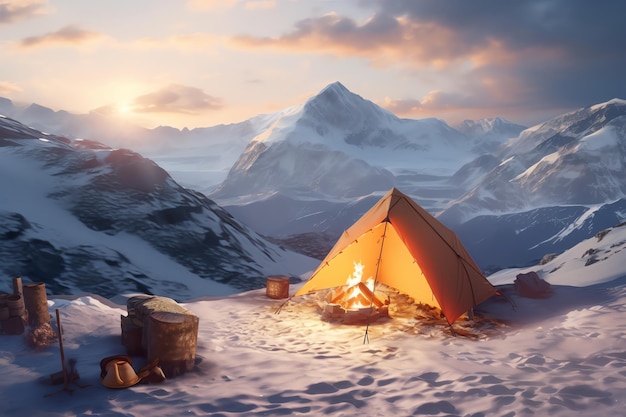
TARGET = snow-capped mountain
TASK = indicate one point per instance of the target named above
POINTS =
(555, 184)
(576, 158)
(339, 145)
(488, 134)
(81, 216)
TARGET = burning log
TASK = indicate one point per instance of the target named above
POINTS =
(337, 295)
(355, 304)
(368, 296)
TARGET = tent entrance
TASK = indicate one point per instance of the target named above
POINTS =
(378, 256)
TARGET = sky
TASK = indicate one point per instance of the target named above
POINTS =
(199, 63)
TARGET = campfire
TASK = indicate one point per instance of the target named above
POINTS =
(356, 301)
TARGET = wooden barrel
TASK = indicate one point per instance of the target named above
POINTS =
(16, 306)
(131, 337)
(172, 338)
(13, 325)
(4, 312)
(36, 303)
(4, 308)
(277, 286)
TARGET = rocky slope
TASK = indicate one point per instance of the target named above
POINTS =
(81, 216)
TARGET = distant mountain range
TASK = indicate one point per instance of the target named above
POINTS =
(302, 175)
(338, 145)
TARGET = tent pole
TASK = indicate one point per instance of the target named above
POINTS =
(366, 338)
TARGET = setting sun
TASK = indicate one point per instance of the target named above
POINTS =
(124, 109)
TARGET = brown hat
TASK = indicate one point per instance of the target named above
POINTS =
(118, 372)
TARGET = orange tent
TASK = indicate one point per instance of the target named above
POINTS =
(400, 244)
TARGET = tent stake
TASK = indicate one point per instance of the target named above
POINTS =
(452, 330)
(280, 307)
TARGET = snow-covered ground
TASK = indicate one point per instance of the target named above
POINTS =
(560, 356)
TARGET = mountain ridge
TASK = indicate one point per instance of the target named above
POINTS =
(85, 217)
(575, 158)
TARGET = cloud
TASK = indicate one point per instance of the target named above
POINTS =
(7, 88)
(69, 35)
(260, 4)
(333, 34)
(176, 98)
(555, 52)
(192, 41)
(435, 101)
(21, 9)
(207, 5)
(566, 53)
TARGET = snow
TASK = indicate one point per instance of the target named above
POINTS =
(559, 356)
(507, 161)
(284, 124)
(29, 192)
(578, 223)
(562, 356)
(603, 138)
(617, 101)
(548, 159)
(592, 261)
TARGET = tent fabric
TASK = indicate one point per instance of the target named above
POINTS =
(401, 245)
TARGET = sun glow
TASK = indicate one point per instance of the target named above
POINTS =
(124, 109)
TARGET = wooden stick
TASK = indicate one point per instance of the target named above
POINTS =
(17, 286)
(64, 369)
(66, 382)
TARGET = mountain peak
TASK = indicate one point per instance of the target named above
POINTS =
(337, 94)
(612, 102)
(337, 106)
(482, 126)
(335, 87)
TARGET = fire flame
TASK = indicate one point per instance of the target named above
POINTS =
(355, 298)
